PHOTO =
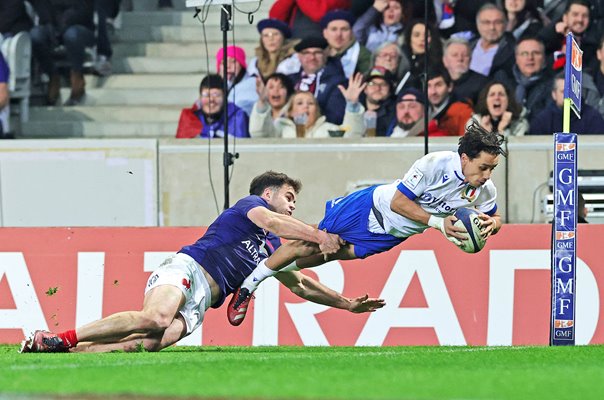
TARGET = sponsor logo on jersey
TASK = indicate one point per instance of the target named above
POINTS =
(413, 179)
(152, 280)
(186, 283)
(469, 193)
(445, 178)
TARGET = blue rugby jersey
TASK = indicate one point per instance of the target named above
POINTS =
(233, 246)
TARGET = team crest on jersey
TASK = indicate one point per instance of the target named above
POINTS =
(469, 193)
(413, 179)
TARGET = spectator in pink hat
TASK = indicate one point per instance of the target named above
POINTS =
(241, 86)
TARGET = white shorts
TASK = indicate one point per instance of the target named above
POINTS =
(182, 271)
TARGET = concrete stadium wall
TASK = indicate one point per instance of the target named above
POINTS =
(169, 182)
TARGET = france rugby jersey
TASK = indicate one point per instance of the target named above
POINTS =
(233, 246)
(436, 183)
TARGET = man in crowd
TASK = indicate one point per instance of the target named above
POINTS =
(494, 50)
(529, 80)
(576, 21)
(449, 114)
(201, 275)
(321, 77)
(409, 120)
(378, 97)
(337, 30)
(456, 58)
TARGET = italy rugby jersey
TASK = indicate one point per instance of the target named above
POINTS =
(436, 183)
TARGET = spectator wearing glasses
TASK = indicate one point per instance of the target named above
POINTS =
(529, 80)
(206, 118)
(388, 56)
(276, 50)
(321, 77)
(378, 96)
(494, 49)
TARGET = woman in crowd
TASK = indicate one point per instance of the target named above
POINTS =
(241, 86)
(413, 50)
(304, 117)
(383, 22)
(276, 52)
(498, 111)
(522, 16)
(273, 100)
(206, 118)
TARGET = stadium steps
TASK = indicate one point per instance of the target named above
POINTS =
(159, 59)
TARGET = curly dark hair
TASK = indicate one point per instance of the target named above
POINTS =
(272, 179)
(481, 105)
(478, 139)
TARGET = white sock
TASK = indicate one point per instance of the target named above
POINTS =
(260, 273)
(291, 267)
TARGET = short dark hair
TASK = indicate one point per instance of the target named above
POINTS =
(272, 179)
(439, 71)
(211, 81)
(583, 3)
(478, 139)
(285, 81)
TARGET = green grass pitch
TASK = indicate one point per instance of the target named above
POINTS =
(312, 373)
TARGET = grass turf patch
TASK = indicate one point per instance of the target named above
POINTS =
(314, 372)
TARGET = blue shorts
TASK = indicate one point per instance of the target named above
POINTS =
(349, 217)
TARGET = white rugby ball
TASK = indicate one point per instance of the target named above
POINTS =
(468, 218)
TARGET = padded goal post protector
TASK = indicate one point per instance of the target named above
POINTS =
(564, 240)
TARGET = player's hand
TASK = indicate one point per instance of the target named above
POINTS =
(488, 225)
(329, 243)
(454, 232)
(365, 304)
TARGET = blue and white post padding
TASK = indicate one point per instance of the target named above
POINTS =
(564, 241)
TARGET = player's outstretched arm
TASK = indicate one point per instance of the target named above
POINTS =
(312, 290)
(288, 227)
(406, 207)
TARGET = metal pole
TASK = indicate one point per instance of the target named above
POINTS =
(225, 16)
(425, 80)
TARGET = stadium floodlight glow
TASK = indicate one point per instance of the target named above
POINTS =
(205, 3)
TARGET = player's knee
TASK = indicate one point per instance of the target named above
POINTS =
(157, 322)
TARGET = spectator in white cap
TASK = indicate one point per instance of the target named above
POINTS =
(276, 50)
(241, 86)
(337, 30)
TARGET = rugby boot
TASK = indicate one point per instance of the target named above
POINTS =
(43, 342)
(238, 306)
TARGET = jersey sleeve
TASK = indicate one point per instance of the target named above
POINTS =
(417, 179)
(486, 202)
(247, 203)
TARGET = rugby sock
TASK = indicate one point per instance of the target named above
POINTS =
(260, 273)
(69, 338)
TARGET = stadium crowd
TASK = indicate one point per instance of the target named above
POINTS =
(354, 67)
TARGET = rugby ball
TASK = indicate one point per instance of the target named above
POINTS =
(467, 218)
